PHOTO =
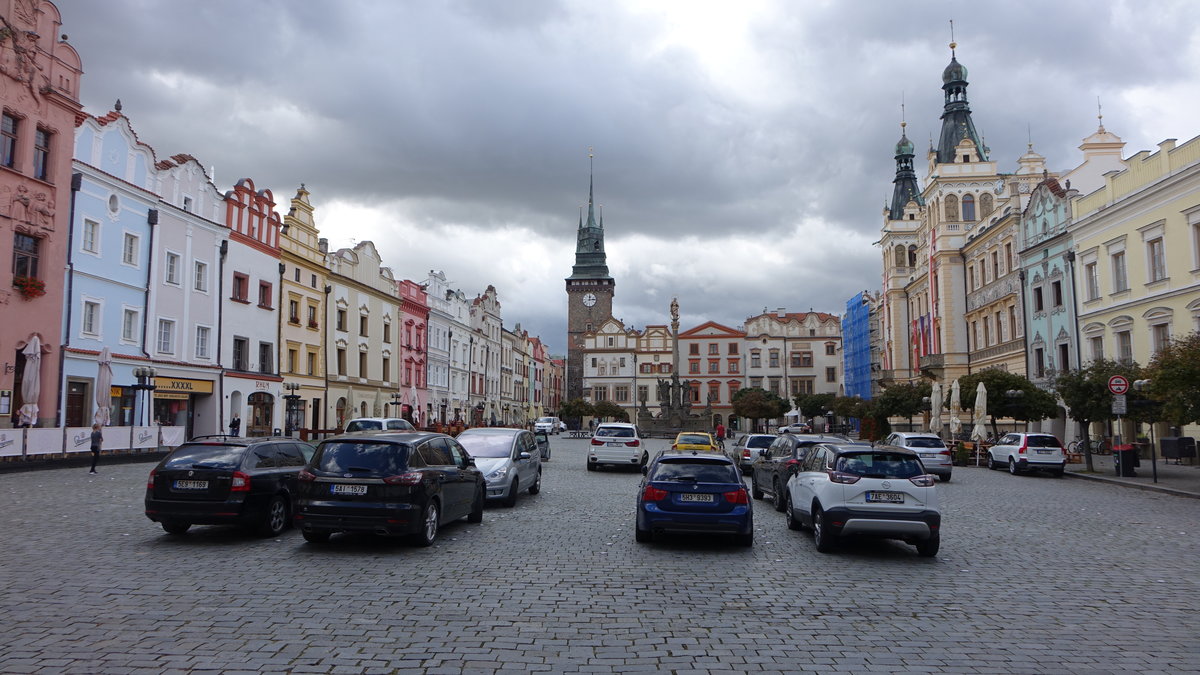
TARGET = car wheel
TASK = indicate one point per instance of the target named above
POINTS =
(754, 490)
(175, 527)
(1012, 466)
(945, 478)
(511, 500)
(537, 484)
(429, 525)
(642, 536)
(790, 509)
(276, 520)
(315, 536)
(992, 463)
(822, 537)
(644, 462)
(591, 466)
(476, 514)
(929, 547)
(777, 497)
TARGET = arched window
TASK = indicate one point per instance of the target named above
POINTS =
(912, 255)
(900, 257)
(341, 413)
(985, 205)
(951, 207)
(968, 208)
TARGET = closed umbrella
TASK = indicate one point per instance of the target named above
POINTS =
(979, 433)
(104, 376)
(351, 410)
(414, 401)
(935, 408)
(31, 381)
(378, 403)
(955, 410)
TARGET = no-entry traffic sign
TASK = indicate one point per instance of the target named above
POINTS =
(1118, 384)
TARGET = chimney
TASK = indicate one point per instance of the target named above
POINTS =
(323, 245)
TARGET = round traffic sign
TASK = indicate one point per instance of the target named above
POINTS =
(1118, 384)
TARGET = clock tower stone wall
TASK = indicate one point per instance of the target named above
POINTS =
(589, 294)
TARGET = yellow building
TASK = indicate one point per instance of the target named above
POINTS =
(302, 313)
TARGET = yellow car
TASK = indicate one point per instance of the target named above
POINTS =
(695, 440)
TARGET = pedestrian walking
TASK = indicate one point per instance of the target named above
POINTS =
(235, 425)
(97, 441)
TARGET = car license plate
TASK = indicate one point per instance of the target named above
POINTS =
(349, 489)
(191, 485)
(696, 497)
(886, 497)
(615, 445)
(929, 455)
(1046, 452)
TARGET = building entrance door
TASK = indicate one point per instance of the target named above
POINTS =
(262, 413)
(77, 398)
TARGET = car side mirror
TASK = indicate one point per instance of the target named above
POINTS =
(762, 453)
(470, 461)
(645, 470)
(524, 455)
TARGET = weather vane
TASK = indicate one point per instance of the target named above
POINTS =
(952, 43)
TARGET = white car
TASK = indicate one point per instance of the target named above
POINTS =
(1022, 452)
(549, 425)
(616, 444)
(930, 447)
(861, 491)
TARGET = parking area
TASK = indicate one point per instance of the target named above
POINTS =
(1035, 574)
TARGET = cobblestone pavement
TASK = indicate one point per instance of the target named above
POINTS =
(1036, 575)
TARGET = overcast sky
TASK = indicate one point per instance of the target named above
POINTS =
(743, 149)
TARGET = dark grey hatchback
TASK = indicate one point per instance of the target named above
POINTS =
(388, 483)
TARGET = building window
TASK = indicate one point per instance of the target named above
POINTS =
(714, 366)
(41, 154)
(806, 359)
(643, 392)
(995, 265)
(1038, 305)
(599, 394)
(755, 359)
(129, 252)
(795, 359)
(693, 367)
(362, 326)
(203, 333)
(387, 333)
(1000, 328)
(166, 336)
(294, 311)
(971, 277)
(91, 318)
(187, 204)
(172, 271)
(91, 236)
(987, 332)
(291, 362)
(266, 358)
(1012, 321)
(621, 393)
(387, 369)
(8, 141)
(296, 276)
(362, 365)
(1120, 278)
(341, 361)
(694, 349)
(1091, 281)
(733, 365)
(341, 319)
(129, 325)
(830, 349)
(773, 385)
(1064, 358)
(312, 363)
(312, 316)
(968, 208)
(1156, 260)
(714, 348)
(264, 294)
(241, 286)
(241, 354)
(1008, 256)
(313, 281)
(1160, 336)
(1124, 346)
(831, 374)
(1039, 363)
(951, 208)
(773, 358)
(733, 349)
(1096, 345)
(200, 276)
(25, 255)
(756, 382)
(1056, 289)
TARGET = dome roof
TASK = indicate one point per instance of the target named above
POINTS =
(955, 72)
(905, 146)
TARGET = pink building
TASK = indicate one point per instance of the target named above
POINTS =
(414, 328)
(39, 75)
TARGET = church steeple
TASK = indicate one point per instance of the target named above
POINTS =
(956, 115)
(906, 188)
(590, 259)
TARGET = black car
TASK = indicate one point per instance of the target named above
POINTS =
(770, 471)
(218, 480)
(401, 483)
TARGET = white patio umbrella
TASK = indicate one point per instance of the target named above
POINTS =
(104, 377)
(979, 433)
(414, 401)
(31, 381)
(935, 408)
(955, 410)
(351, 410)
(378, 410)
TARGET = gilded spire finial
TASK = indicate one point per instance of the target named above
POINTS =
(1100, 114)
(1029, 135)
(953, 44)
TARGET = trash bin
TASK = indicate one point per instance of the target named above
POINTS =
(1124, 460)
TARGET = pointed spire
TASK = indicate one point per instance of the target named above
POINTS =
(591, 219)
(953, 44)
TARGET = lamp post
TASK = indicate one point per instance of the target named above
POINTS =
(291, 407)
(145, 383)
(1140, 385)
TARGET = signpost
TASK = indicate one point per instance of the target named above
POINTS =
(1118, 385)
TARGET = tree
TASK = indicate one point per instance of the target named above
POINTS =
(756, 403)
(1174, 375)
(1085, 393)
(608, 409)
(813, 405)
(1031, 405)
(903, 400)
(576, 409)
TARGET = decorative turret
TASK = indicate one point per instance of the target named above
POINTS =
(956, 116)
(906, 189)
(590, 259)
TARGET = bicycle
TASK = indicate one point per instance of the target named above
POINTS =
(1098, 446)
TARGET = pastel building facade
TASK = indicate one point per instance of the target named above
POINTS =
(302, 292)
(417, 406)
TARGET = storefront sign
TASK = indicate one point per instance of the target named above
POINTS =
(5, 401)
(115, 392)
(179, 388)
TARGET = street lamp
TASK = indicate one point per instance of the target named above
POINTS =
(145, 383)
(291, 408)
(1141, 385)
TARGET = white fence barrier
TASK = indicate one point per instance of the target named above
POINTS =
(12, 443)
(75, 440)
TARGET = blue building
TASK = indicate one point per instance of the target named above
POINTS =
(856, 346)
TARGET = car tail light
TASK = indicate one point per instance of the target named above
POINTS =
(634, 443)
(945, 452)
(410, 478)
(150, 480)
(241, 482)
(922, 481)
(1024, 446)
(792, 462)
(737, 497)
(746, 454)
(673, 446)
(306, 476)
(597, 441)
(844, 478)
(653, 494)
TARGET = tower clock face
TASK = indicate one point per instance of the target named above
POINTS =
(589, 299)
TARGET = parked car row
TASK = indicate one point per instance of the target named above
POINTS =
(388, 483)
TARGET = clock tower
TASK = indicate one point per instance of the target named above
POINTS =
(589, 292)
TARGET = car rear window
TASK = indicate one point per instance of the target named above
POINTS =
(693, 439)
(363, 425)
(1043, 442)
(879, 465)
(616, 432)
(759, 441)
(688, 469)
(487, 445)
(362, 457)
(206, 456)
(545, 420)
(925, 443)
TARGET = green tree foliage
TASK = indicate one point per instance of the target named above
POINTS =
(756, 404)
(1031, 405)
(1085, 393)
(575, 409)
(611, 411)
(813, 405)
(903, 400)
(1174, 375)
(850, 406)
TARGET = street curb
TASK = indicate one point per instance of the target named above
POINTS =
(77, 460)
(1136, 486)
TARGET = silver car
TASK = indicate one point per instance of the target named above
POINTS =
(745, 450)
(509, 459)
(934, 454)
